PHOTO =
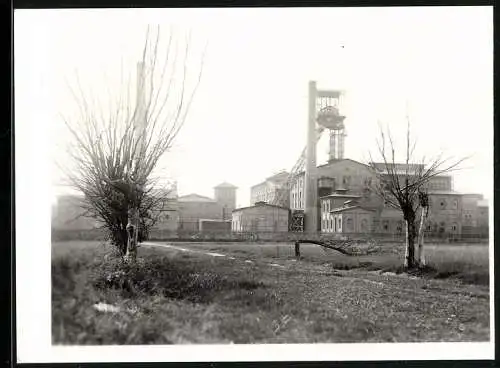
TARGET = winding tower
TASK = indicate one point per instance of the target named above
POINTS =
(323, 114)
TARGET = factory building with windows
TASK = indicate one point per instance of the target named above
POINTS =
(201, 213)
(338, 197)
(272, 190)
(260, 218)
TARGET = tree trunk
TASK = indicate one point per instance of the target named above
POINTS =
(409, 262)
(132, 232)
(420, 249)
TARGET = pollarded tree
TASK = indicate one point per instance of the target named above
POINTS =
(114, 153)
(404, 187)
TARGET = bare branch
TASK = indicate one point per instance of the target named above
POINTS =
(115, 154)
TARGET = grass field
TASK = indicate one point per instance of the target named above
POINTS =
(467, 262)
(187, 297)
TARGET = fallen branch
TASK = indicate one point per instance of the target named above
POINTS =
(346, 247)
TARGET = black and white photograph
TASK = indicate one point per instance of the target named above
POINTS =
(254, 184)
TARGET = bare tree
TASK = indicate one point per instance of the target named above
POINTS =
(404, 187)
(115, 150)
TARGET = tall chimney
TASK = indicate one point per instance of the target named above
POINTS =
(310, 187)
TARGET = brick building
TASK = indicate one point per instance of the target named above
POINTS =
(199, 213)
(344, 191)
(261, 217)
(273, 190)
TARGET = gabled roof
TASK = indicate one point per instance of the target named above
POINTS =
(338, 195)
(347, 208)
(193, 197)
(226, 185)
(260, 204)
(334, 162)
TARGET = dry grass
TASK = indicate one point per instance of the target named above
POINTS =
(466, 262)
(193, 298)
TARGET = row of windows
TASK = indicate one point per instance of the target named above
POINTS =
(297, 200)
(444, 204)
(332, 224)
(441, 227)
(326, 206)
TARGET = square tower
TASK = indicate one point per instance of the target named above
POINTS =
(225, 195)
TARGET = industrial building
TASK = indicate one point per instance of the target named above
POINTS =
(201, 213)
(260, 218)
(272, 190)
(337, 196)
(188, 213)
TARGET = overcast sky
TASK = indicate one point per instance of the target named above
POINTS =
(248, 119)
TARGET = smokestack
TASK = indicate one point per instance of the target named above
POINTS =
(310, 187)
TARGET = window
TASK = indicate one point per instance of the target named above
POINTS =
(364, 225)
(454, 227)
(442, 204)
(399, 227)
(455, 204)
(442, 227)
(349, 225)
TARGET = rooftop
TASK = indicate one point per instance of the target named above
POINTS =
(193, 197)
(339, 195)
(278, 176)
(334, 162)
(444, 192)
(226, 185)
(260, 204)
(347, 208)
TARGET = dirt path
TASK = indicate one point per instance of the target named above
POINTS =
(211, 254)
(365, 277)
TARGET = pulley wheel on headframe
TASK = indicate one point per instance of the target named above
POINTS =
(330, 118)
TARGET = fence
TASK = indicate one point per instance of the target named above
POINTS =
(227, 236)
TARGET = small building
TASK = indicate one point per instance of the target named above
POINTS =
(351, 218)
(197, 211)
(261, 217)
(193, 207)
